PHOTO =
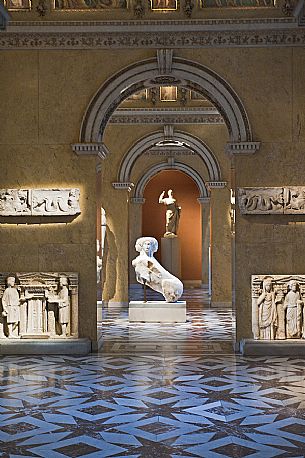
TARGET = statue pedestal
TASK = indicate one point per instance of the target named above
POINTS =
(157, 311)
(171, 255)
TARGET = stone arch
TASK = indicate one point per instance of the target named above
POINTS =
(156, 168)
(147, 142)
(181, 72)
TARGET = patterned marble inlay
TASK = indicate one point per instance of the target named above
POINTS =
(154, 403)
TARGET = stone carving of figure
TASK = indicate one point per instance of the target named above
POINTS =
(11, 307)
(173, 212)
(63, 304)
(293, 304)
(267, 317)
(149, 270)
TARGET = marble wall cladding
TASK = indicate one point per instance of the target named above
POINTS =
(280, 200)
(39, 202)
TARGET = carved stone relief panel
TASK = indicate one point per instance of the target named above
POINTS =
(38, 304)
(278, 310)
(260, 201)
(39, 202)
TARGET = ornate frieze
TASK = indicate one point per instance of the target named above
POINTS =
(242, 147)
(278, 307)
(188, 115)
(216, 184)
(133, 37)
(37, 304)
(267, 201)
(39, 202)
(123, 185)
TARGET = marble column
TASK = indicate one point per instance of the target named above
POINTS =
(205, 230)
(220, 236)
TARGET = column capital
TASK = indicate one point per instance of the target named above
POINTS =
(123, 185)
(91, 149)
(242, 147)
(203, 200)
(216, 184)
(137, 200)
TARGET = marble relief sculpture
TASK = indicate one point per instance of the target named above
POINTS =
(278, 307)
(281, 200)
(150, 272)
(37, 305)
(173, 212)
(39, 202)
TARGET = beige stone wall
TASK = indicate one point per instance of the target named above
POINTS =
(44, 96)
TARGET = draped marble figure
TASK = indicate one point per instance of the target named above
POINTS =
(173, 212)
(149, 271)
(293, 306)
(267, 310)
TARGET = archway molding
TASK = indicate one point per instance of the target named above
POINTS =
(151, 72)
(171, 165)
(190, 141)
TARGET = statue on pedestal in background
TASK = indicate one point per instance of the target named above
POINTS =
(173, 212)
(150, 272)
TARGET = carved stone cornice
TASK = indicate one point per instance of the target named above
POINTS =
(91, 149)
(153, 34)
(216, 184)
(123, 185)
(137, 200)
(242, 147)
(204, 200)
(166, 116)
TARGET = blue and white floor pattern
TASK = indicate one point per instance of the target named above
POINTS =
(150, 404)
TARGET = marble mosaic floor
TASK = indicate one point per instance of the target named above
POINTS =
(154, 403)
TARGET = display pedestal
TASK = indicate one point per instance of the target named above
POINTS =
(171, 255)
(289, 347)
(59, 346)
(157, 311)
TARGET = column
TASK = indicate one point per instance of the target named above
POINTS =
(220, 240)
(205, 231)
(135, 231)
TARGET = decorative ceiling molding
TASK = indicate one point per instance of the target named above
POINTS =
(262, 32)
(166, 116)
(135, 40)
(4, 17)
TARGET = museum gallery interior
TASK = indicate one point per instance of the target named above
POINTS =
(152, 225)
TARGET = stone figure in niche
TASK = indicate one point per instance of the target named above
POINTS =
(173, 212)
(149, 271)
(11, 307)
(293, 305)
(267, 310)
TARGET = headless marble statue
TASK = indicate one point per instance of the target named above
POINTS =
(149, 270)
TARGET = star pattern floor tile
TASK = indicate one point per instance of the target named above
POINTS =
(154, 404)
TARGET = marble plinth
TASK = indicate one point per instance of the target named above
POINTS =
(171, 255)
(45, 347)
(157, 311)
(289, 347)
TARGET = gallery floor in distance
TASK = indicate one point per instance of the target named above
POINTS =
(155, 391)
